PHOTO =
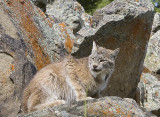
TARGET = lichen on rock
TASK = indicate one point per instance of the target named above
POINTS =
(31, 39)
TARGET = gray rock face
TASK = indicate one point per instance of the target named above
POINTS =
(15, 69)
(104, 107)
(152, 59)
(67, 13)
(150, 93)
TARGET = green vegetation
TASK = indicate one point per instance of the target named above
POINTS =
(85, 104)
(91, 5)
(157, 9)
(156, 4)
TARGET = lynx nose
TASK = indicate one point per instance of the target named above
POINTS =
(95, 66)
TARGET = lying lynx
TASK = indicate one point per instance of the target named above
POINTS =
(67, 80)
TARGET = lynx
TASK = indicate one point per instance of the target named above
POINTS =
(67, 80)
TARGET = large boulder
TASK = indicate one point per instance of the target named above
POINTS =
(104, 107)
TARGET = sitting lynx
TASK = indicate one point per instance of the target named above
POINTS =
(67, 80)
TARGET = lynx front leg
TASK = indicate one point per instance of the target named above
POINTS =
(49, 104)
(79, 90)
(97, 95)
(33, 100)
(75, 83)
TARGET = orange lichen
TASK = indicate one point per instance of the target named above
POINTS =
(99, 109)
(51, 19)
(69, 43)
(48, 20)
(24, 14)
(156, 93)
(62, 26)
(43, 14)
(146, 70)
(119, 111)
(129, 113)
(145, 81)
(12, 67)
(49, 23)
(91, 20)
(12, 54)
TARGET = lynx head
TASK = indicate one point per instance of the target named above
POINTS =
(102, 60)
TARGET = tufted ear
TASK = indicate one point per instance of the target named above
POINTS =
(115, 53)
(94, 48)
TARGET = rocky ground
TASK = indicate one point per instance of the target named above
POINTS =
(104, 107)
(34, 33)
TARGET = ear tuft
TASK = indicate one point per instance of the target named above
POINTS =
(115, 52)
(94, 48)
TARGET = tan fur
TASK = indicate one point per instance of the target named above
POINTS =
(67, 80)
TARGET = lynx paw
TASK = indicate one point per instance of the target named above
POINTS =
(85, 98)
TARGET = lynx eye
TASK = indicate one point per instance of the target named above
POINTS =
(102, 60)
(92, 58)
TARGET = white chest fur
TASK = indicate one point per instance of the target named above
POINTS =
(100, 81)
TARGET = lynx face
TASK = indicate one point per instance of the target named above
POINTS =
(102, 60)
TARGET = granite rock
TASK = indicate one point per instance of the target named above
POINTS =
(103, 107)
(152, 59)
(156, 23)
(150, 93)
(72, 14)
